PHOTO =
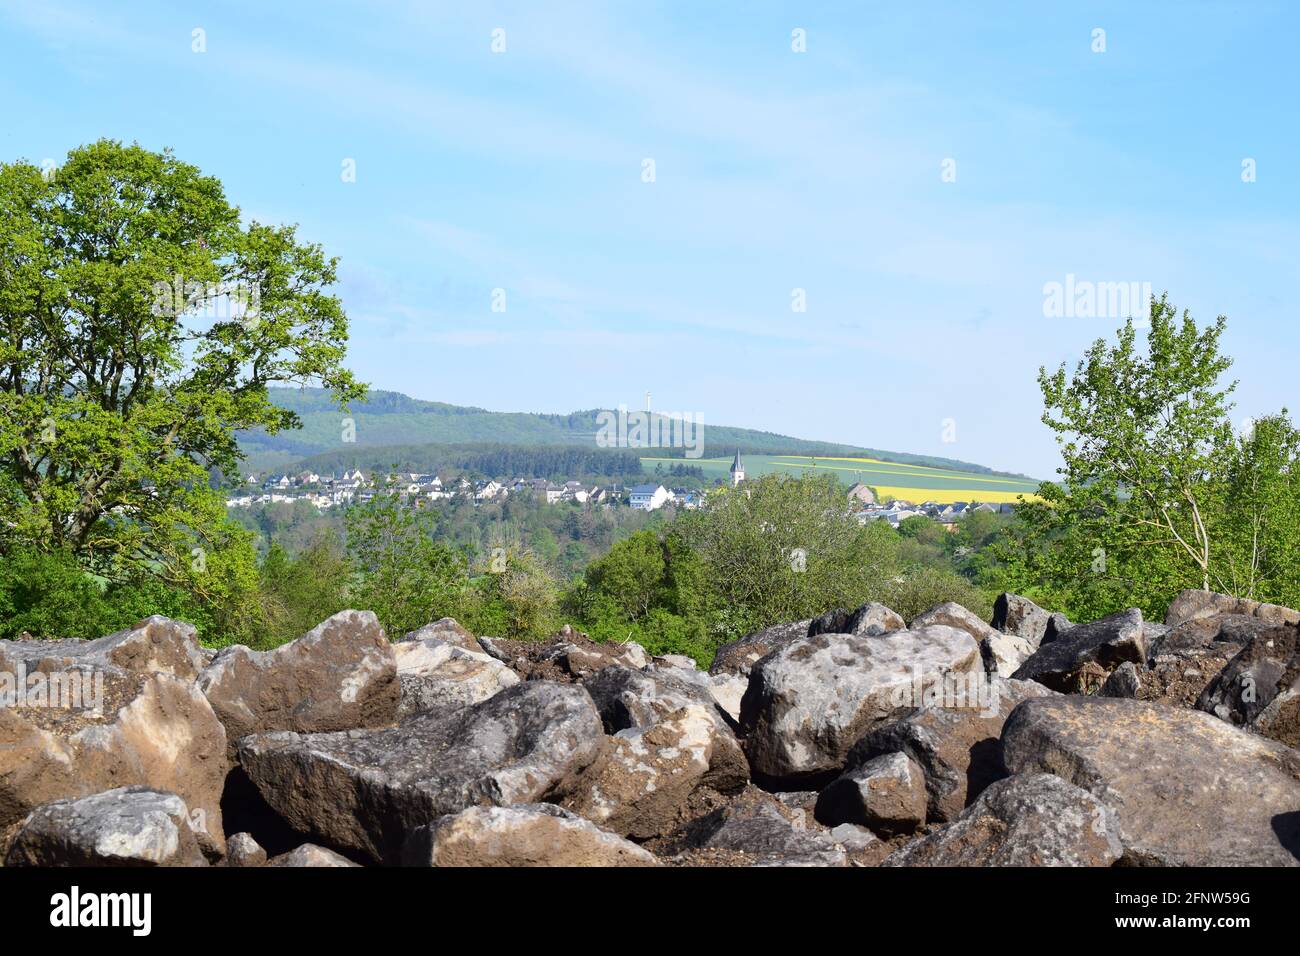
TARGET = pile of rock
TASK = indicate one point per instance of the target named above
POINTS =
(849, 739)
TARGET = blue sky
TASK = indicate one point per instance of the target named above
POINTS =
(774, 171)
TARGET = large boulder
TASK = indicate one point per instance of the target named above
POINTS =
(1193, 605)
(1106, 643)
(1188, 789)
(1259, 688)
(958, 749)
(367, 790)
(340, 675)
(127, 826)
(810, 701)
(433, 673)
(756, 830)
(82, 717)
(739, 656)
(642, 786)
(533, 834)
(1029, 820)
(630, 699)
(886, 794)
(1013, 614)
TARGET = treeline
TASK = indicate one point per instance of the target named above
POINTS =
(486, 460)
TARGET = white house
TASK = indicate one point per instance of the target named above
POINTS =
(648, 497)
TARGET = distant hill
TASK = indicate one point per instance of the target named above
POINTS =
(411, 430)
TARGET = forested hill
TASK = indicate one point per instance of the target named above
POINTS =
(394, 419)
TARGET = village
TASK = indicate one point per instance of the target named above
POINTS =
(421, 490)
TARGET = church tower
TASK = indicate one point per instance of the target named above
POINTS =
(737, 470)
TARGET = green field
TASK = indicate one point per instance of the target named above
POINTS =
(915, 483)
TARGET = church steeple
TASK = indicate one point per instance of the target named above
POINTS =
(737, 470)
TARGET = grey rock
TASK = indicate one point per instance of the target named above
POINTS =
(739, 656)
(1030, 820)
(958, 748)
(641, 787)
(886, 794)
(1122, 682)
(755, 825)
(1188, 789)
(243, 850)
(434, 674)
(870, 620)
(367, 790)
(311, 855)
(954, 615)
(530, 835)
(630, 699)
(447, 630)
(1260, 686)
(1013, 614)
(1194, 605)
(98, 715)
(1004, 653)
(340, 675)
(1106, 643)
(810, 701)
(129, 826)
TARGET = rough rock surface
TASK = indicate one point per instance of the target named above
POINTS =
(128, 826)
(954, 615)
(120, 711)
(311, 855)
(1013, 614)
(566, 656)
(535, 834)
(958, 749)
(1260, 686)
(640, 789)
(367, 790)
(810, 701)
(1004, 653)
(727, 691)
(340, 675)
(739, 656)
(757, 828)
(1124, 681)
(629, 699)
(449, 631)
(433, 673)
(1105, 643)
(1188, 789)
(1029, 820)
(886, 794)
(870, 620)
(1192, 605)
(243, 850)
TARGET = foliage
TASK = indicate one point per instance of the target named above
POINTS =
(141, 325)
(1160, 492)
(402, 574)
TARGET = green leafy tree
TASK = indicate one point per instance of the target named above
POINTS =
(1158, 492)
(780, 548)
(400, 571)
(141, 323)
(300, 592)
